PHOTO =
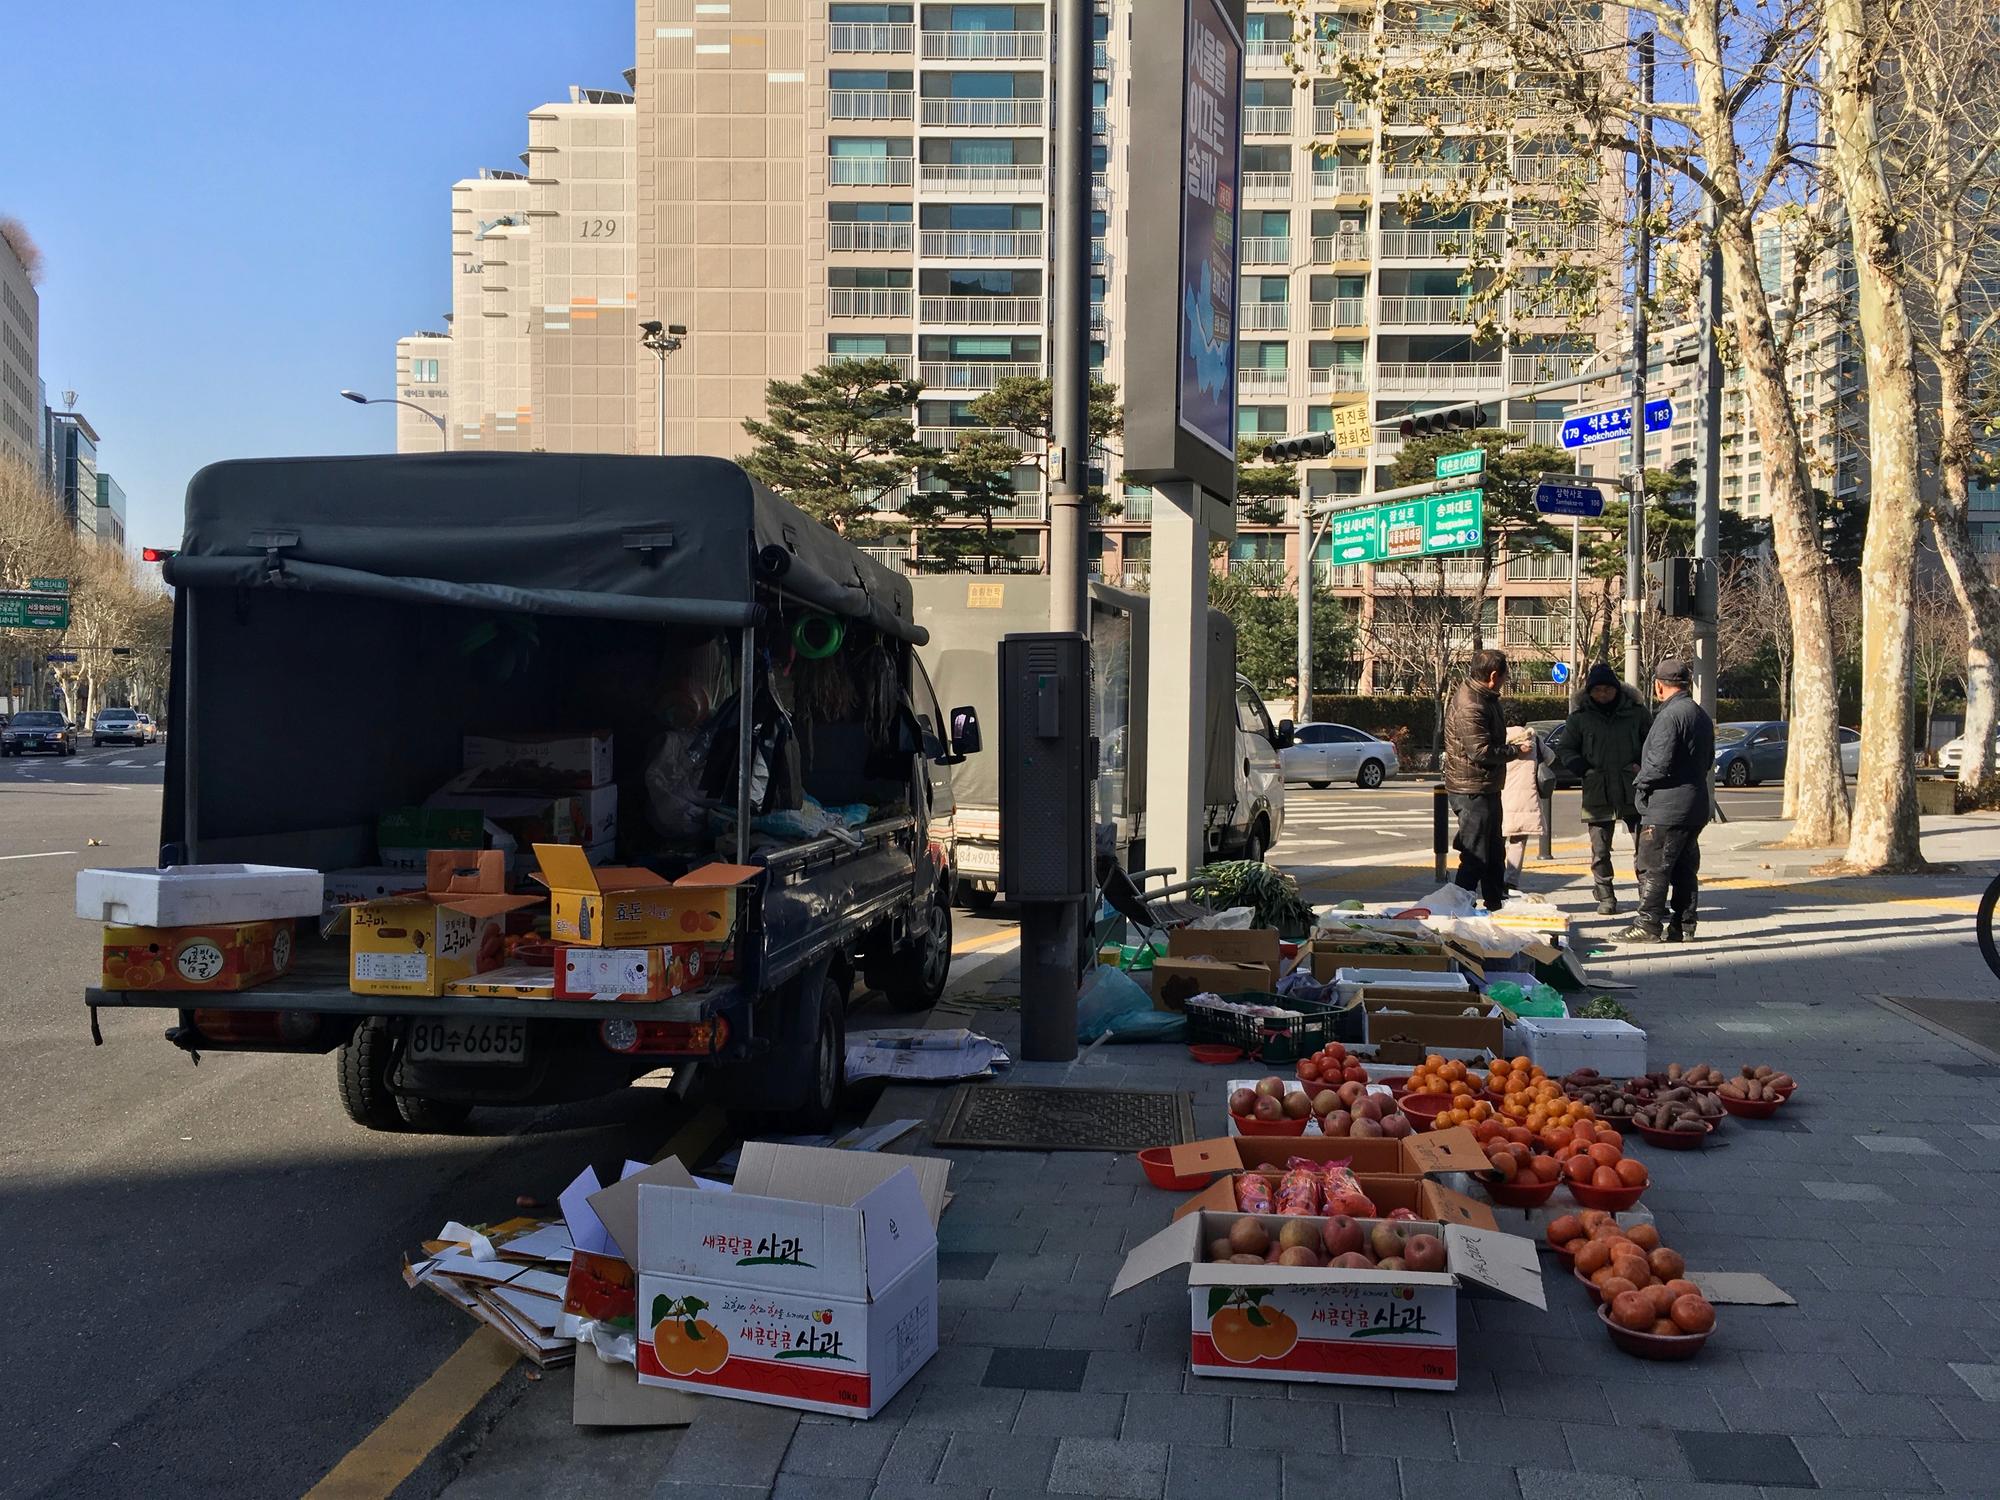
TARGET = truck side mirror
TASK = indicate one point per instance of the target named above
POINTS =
(964, 733)
(1285, 735)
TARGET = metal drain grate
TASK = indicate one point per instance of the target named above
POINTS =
(1973, 1024)
(1030, 1118)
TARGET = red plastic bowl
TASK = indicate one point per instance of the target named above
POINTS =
(1517, 1194)
(1612, 1200)
(1397, 1087)
(1653, 1345)
(1751, 1109)
(1214, 1052)
(1675, 1140)
(1585, 1282)
(1156, 1162)
(1788, 1090)
(1272, 1127)
(1422, 1110)
(1564, 1253)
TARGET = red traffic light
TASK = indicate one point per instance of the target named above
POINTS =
(158, 554)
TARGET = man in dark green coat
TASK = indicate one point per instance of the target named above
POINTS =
(1601, 742)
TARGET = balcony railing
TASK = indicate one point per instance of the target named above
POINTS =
(900, 361)
(1443, 109)
(868, 302)
(944, 438)
(870, 36)
(975, 114)
(986, 46)
(1266, 249)
(1540, 567)
(1266, 317)
(896, 559)
(983, 177)
(1100, 189)
(1545, 433)
(1346, 115)
(869, 104)
(1397, 174)
(1540, 167)
(1100, 57)
(983, 244)
(869, 236)
(870, 171)
(1440, 244)
(1536, 630)
(1267, 119)
(1341, 312)
(1438, 374)
(1338, 576)
(1267, 185)
(1256, 380)
(971, 375)
(1421, 310)
(1340, 182)
(1328, 248)
(1325, 380)
(1264, 52)
(1537, 369)
(1534, 237)
(980, 309)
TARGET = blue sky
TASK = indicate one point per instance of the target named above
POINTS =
(242, 205)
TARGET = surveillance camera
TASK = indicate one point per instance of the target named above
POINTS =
(649, 328)
(677, 329)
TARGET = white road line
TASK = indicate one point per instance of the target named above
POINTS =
(45, 854)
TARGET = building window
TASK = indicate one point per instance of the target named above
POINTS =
(1257, 547)
(1255, 421)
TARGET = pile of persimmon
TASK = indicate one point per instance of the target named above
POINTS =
(1593, 1155)
(1436, 1076)
(1512, 1150)
(1529, 1097)
(1641, 1281)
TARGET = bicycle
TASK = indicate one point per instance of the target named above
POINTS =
(1983, 926)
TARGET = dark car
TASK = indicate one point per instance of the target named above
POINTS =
(1551, 732)
(38, 731)
(1747, 752)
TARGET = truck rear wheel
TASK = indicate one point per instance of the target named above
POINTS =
(431, 1116)
(913, 977)
(361, 1069)
(828, 1069)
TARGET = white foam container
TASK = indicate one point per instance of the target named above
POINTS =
(198, 895)
(1401, 979)
(1561, 1044)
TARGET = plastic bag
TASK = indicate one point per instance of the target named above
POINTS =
(1235, 919)
(1253, 1193)
(1342, 1191)
(1112, 1004)
(1536, 1000)
(1299, 1189)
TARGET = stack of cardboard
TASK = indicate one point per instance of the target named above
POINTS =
(508, 1276)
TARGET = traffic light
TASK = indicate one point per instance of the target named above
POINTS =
(1291, 450)
(1444, 419)
(1672, 583)
(158, 554)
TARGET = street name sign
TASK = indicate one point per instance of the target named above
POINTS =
(48, 585)
(1614, 423)
(62, 656)
(1450, 522)
(1585, 500)
(1458, 465)
(23, 610)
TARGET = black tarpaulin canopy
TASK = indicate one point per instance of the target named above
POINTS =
(676, 540)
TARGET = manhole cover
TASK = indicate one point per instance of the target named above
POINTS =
(1973, 1024)
(1028, 1118)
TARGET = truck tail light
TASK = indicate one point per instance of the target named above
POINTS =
(257, 1025)
(681, 1038)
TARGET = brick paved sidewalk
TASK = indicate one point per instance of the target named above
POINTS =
(1871, 1201)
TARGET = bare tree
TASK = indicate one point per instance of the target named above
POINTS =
(1418, 634)
(1937, 645)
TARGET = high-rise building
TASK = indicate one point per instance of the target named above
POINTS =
(490, 398)
(423, 378)
(103, 521)
(20, 347)
(71, 446)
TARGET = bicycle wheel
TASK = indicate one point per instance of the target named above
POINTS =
(1983, 926)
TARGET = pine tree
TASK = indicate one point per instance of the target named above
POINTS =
(838, 441)
(975, 481)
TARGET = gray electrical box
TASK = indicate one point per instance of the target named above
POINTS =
(1047, 764)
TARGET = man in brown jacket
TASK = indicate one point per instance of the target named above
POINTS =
(1476, 753)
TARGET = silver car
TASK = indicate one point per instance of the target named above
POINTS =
(1951, 755)
(1321, 754)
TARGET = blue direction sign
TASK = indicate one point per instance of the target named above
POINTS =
(1569, 500)
(1610, 425)
(1559, 673)
(59, 656)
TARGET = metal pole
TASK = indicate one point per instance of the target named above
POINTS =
(1575, 559)
(1708, 473)
(1069, 310)
(661, 355)
(1642, 262)
(1302, 708)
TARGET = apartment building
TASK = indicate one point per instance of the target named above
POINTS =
(20, 348)
(489, 396)
(423, 378)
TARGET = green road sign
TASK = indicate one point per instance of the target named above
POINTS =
(48, 585)
(1450, 522)
(1458, 465)
(31, 611)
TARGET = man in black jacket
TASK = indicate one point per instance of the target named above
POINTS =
(1476, 753)
(1601, 742)
(1673, 795)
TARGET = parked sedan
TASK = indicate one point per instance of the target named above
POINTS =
(38, 732)
(1749, 752)
(1951, 755)
(1321, 754)
(152, 729)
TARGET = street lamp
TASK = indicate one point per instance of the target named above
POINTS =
(663, 339)
(444, 433)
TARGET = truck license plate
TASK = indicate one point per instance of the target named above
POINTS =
(469, 1041)
(978, 859)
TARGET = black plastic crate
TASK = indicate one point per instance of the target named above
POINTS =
(1276, 1039)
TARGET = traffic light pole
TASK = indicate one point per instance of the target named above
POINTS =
(1308, 539)
(1642, 284)
(1708, 477)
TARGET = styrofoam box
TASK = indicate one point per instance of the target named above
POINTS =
(197, 895)
(1561, 1044)
(1400, 979)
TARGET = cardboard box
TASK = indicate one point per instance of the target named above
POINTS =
(509, 982)
(1314, 1324)
(609, 906)
(223, 956)
(585, 816)
(658, 972)
(454, 928)
(1453, 1150)
(1254, 945)
(1427, 1200)
(607, 1394)
(370, 883)
(1428, 1034)
(1327, 962)
(538, 762)
(197, 895)
(404, 833)
(1177, 980)
(812, 1284)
